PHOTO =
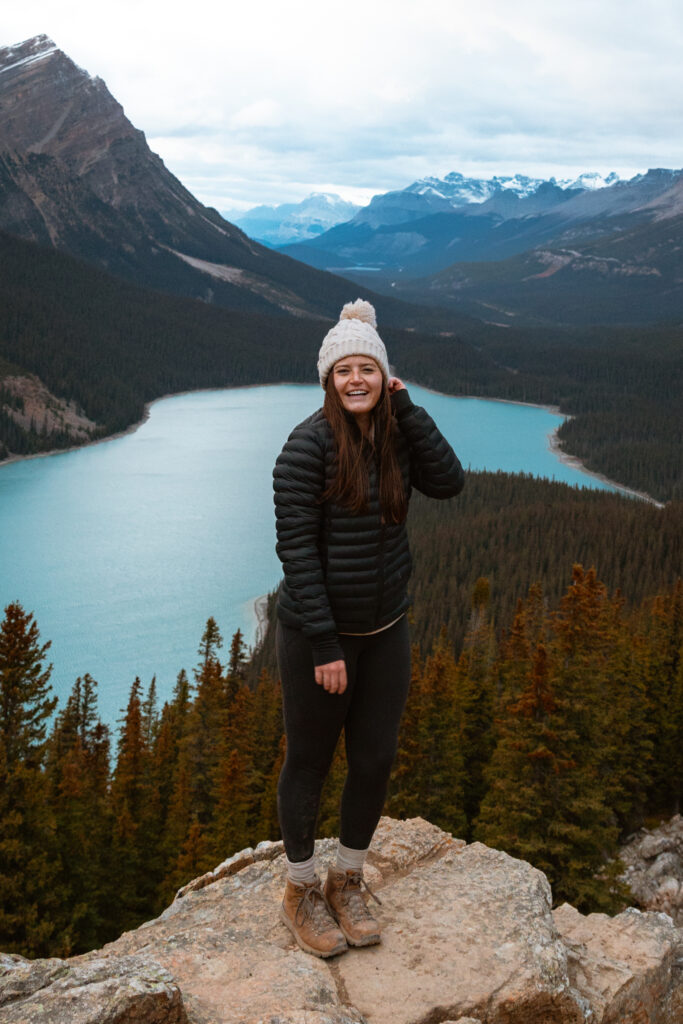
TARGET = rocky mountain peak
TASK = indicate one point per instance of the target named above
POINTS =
(50, 106)
(28, 52)
(590, 180)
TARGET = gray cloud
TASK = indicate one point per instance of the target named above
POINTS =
(266, 102)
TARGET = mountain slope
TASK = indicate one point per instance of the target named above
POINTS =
(102, 347)
(614, 270)
(76, 174)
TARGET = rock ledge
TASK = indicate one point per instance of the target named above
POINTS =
(469, 938)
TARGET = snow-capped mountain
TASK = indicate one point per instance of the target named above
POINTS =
(589, 180)
(461, 191)
(431, 195)
(435, 223)
(294, 222)
(28, 52)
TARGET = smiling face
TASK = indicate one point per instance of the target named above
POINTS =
(358, 381)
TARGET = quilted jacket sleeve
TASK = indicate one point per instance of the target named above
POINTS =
(434, 467)
(299, 480)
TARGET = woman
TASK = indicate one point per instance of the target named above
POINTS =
(342, 484)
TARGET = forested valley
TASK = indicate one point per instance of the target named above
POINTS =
(111, 348)
(545, 719)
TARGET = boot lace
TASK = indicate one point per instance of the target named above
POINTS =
(314, 907)
(351, 893)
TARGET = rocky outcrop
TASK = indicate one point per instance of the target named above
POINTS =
(628, 968)
(98, 991)
(653, 860)
(469, 938)
(27, 401)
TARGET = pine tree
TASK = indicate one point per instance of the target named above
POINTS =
(191, 860)
(475, 689)
(236, 785)
(150, 720)
(236, 664)
(430, 772)
(661, 626)
(546, 800)
(179, 820)
(623, 744)
(204, 737)
(180, 703)
(210, 643)
(25, 707)
(171, 768)
(523, 775)
(231, 821)
(131, 801)
(29, 901)
(266, 724)
(78, 781)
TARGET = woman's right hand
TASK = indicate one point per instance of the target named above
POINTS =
(332, 676)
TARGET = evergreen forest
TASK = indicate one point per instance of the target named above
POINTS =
(111, 347)
(545, 718)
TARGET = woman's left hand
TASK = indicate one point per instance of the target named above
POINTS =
(394, 384)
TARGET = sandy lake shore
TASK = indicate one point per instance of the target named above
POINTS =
(555, 446)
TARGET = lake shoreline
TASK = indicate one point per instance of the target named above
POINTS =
(134, 426)
(555, 446)
(554, 443)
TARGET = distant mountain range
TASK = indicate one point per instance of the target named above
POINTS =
(294, 222)
(75, 174)
(289, 223)
(588, 250)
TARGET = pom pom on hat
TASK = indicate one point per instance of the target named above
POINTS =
(354, 335)
(360, 310)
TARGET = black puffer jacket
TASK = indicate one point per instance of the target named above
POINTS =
(343, 572)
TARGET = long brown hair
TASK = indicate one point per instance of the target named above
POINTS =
(351, 483)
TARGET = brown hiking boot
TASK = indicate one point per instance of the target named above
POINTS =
(306, 913)
(343, 891)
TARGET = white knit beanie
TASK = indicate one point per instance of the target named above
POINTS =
(354, 335)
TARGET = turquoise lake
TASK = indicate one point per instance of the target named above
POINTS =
(122, 550)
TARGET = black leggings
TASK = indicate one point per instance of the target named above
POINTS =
(370, 709)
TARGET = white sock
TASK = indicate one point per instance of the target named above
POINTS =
(350, 860)
(301, 872)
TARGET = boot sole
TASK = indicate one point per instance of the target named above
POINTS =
(323, 954)
(367, 940)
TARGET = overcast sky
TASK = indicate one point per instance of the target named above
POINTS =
(264, 101)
